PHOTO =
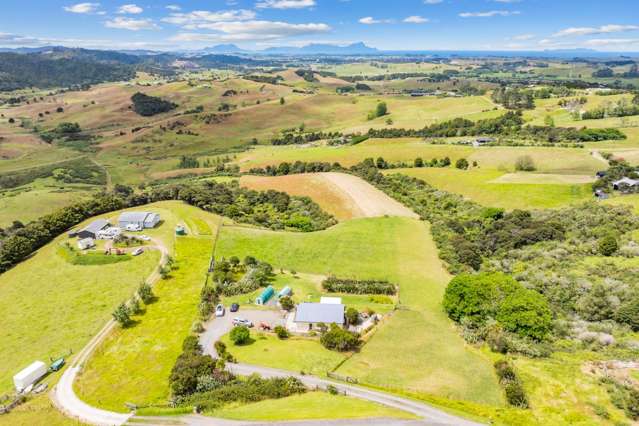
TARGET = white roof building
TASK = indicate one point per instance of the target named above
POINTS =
(141, 219)
(29, 375)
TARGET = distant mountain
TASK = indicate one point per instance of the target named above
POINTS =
(225, 48)
(323, 49)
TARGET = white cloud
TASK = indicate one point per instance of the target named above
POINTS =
(83, 8)
(174, 7)
(132, 9)
(604, 29)
(507, 1)
(433, 1)
(284, 4)
(131, 24)
(252, 31)
(416, 20)
(201, 18)
(489, 14)
(523, 37)
(369, 20)
(604, 42)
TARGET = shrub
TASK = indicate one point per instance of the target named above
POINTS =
(281, 332)
(462, 164)
(525, 164)
(352, 316)
(220, 347)
(341, 340)
(628, 313)
(515, 395)
(122, 315)
(145, 292)
(526, 313)
(287, 303)
(240, 335)
(191, 344)
(188, 368)
(608, 245)
(342, 285)
(147, 106)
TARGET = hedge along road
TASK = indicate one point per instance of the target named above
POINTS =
(63, 395)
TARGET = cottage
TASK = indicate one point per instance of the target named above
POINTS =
(86, 243)
(624, 184)
(138, 220)
(482, 141)
(92, 229)
(309, 315)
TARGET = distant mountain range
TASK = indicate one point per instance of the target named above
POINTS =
(310, 49)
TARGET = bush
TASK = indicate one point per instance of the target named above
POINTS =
(351, 286)
(281, 332)
(240, 335)
(525, 164)
(608, 245)
(287, 303)
(515, 394)
(145, 293)
(628, 313)
(352, 316)
(147, 106)
(526, 313)
(189, 367)
(338, 339)
(462, 164)
(122, 315)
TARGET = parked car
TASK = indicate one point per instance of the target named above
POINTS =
(138, 251)
(235, 307)
(242, 321)
(219, 310)
(133, 227)
(144, 238)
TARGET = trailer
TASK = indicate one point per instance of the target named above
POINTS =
(30, 375)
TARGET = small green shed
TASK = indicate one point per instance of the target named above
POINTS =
(180, 230)
(266, 295)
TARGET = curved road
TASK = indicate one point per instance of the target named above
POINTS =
(63, 395)
(65, 399)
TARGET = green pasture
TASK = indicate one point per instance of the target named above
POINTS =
(399, 250)
(479, 185)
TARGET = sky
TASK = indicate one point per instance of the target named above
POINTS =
(610, 25)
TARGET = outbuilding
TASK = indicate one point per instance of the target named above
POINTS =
(266, 295)
(138, 220)
(286, 291)
(29, 375)
(86, 243)
(624, 184)
(92, 229)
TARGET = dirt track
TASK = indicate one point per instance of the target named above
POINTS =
(344, 196)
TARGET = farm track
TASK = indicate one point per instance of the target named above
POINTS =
(63, 395)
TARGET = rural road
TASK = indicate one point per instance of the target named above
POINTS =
(63, 395)
(218, 327)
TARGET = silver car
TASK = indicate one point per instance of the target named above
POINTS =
(241, 321)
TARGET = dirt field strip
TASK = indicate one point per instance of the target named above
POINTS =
(343, 195)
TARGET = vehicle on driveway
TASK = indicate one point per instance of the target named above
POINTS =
(219, 310)
(235, 307)
(240, 321)
(138, 251)
(144, 238)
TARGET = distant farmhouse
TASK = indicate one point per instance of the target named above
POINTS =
(138, 220)
(93, 229)
(625, 184)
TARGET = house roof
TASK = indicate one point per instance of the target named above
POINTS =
(320, 312)
(151, 216)
(96, 225)
(133, 216)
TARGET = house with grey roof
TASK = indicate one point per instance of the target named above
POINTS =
(138, 220)
(308, 316)
(625, 184)
(92, 229)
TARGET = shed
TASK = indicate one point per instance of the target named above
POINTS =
(286, 291)
(92, 229)
(266, 295)
(180, 230)
(29, 375)
(624, 183)
(140, 220)
(86, 243)
(331, 300)
(315, 313)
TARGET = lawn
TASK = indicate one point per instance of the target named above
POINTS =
(294, 354)
(401, 251)
(50, 307)
(484, 186)
(133, 365)
(312, 405)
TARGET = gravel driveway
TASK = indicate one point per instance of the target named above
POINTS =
(215, 328)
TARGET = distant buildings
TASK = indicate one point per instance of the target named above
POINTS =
(92, 229)
(137, 221)
(625, 184)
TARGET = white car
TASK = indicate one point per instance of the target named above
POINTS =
(241, 321)
(144, 238)
(219, 310)
(133, 227)
(138, 251)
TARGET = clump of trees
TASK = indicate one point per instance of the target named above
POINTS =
(333, 284)
(513, 388)
(147, 106)
(380, 110)
(525, 163)
(233, 277)
(513, 98)
(240, 335)
(338, 339)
